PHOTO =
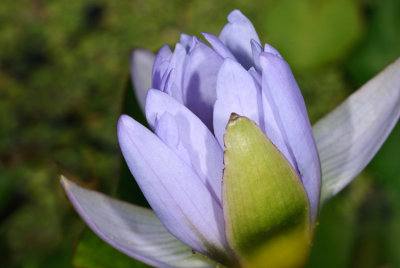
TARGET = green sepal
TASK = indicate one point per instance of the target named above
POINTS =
(265, 206)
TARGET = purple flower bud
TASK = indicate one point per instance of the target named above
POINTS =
(192, 92)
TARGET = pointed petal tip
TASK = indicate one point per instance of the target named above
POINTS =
(166, 47)
(268, 56)
(69, 188)
(236, 35)
(123, 117)
(122, 120)
(271, 50)
(64, 182)
(265, 59)
(208, 36)
(185, 36)
(124, 124)
(236, 16)
(67, 184)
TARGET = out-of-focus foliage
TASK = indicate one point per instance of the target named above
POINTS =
(104, 256)
(63, 69)
(381, 43)
(311, 33)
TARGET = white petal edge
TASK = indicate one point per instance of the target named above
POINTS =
(133, 230)
(349, 136)
(141, 70)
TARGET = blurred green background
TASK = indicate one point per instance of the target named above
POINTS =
(64, 66)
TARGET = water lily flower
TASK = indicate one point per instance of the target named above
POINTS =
(231, 167)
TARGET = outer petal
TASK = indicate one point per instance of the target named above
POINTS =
(176, 194)
(236, 93)
(349, 136)
(237, 34)
(192, 138)
(200, 81)
(133, 230)
(273, 126)
(141, 69)
(290, 113)
(218, 46)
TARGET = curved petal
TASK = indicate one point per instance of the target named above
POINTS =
(133, 230)
(200, 79)
(256, 76)
(141, 69)
(273, 128)
(287, 105)
(218, 46)
(167, 129)
(236, 93)
(176, 68)
(191, 137)
(237, 34)
(186, 41)
(160, 67)
(270, 49)
(176, 194)
(165, 83)
(349, 136)
(256, 49)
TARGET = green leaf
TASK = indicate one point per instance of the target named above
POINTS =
(92, 252)
(265, 205)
